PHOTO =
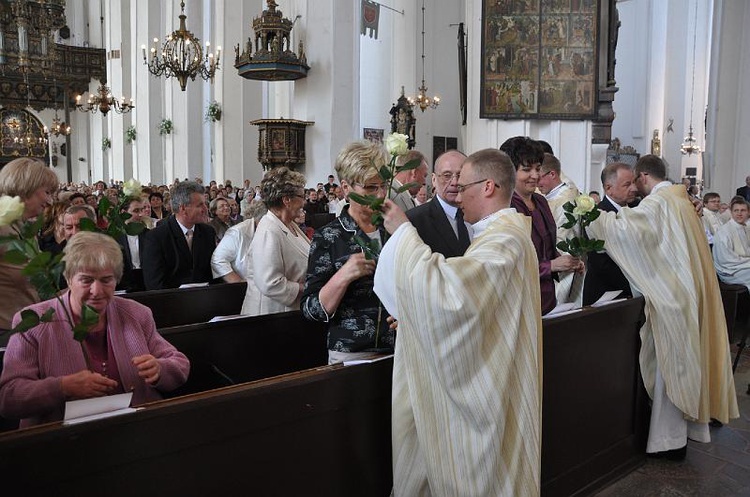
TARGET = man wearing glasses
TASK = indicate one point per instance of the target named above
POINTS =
(466, 413)
(416, 176)
(440, 222)
(662, 249)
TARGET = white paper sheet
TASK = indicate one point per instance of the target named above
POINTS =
(367, 361)
(193, 285)
(78, 411)
(608, 297)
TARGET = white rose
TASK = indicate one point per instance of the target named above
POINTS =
(132, 188)
(11, 209)
(397, 144)
(584, 204)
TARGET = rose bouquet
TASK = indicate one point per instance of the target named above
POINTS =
(580, 212)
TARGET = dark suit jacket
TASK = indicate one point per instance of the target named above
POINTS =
(132, 279)
(744, 192)
(602, 274)
(167, 261)
(435, 229)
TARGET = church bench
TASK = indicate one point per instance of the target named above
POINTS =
(736, 301)
(248, 348)
(178, 306)
(326, 431)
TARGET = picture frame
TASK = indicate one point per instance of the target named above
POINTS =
(540, 59)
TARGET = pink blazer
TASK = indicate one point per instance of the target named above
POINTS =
(30, 386)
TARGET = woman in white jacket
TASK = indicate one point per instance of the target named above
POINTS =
(276, 272)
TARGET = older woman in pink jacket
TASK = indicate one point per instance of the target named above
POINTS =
(44, 367)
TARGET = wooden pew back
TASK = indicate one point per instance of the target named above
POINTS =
(247, 349)
(179, 306)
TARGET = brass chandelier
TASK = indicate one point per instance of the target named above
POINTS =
(422, 100)
(182, 56)
(103, 102)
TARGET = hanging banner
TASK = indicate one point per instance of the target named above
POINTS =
(370, 18)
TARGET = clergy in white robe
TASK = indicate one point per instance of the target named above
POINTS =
(685, 362)
(569, 286)
(732, 246)
(467, 378)
(712, 219)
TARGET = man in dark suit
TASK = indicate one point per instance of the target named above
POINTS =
(179, 249)
(602, 273)
(744, 191)
(440, 222)
(132, 274)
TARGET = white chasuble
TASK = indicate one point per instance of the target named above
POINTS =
(569, 287)
(662, 250)
(467, 377)
(732, 253)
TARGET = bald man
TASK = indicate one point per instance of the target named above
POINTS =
(440, 222)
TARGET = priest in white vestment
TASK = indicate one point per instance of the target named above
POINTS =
(467, 378)
(685, 362)
(569, 287)
(732, 246)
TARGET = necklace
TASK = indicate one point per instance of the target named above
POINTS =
(96, 346)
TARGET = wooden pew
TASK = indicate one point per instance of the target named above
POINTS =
(326, 431)
(247, 349)
(175, 306)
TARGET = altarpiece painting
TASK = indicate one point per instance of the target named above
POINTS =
(539, 59)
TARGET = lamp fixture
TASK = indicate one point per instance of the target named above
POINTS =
(58, 127)
(103, 102)
(182, 56)
(690, 144)
(422, 100)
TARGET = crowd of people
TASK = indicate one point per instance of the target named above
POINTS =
(470, 267)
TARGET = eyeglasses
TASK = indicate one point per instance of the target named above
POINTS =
(461, 188)
(373, 189)
(447, 177)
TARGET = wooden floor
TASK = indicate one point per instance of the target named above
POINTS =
(717, 469)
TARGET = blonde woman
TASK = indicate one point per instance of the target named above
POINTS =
(339, 285)
(35, 184)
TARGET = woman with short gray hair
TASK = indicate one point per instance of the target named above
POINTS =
(276, 272)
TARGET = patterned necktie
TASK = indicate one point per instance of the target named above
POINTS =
(189, 239)
(463, 233)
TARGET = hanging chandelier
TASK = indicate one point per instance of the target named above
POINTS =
(58, 127)
(690, 144)
(103, 102)
(422, 100)
(182, 56)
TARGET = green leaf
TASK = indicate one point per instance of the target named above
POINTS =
(16, 257)
(134, 228)
(89, 317)
(361, 199)
(29, 231)
(47, 316)
(563, 246)
(598, 245)
(569, 206)
(29, 319)
(104, 205)
(385, 173)
(87, 224)
(412, 164)
(405, 187)
(377, 218)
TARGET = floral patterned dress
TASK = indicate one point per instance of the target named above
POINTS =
(359, 324)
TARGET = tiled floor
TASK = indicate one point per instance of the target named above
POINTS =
(717, 469)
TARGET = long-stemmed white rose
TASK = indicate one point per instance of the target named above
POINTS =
(582, 211)
(397, 145)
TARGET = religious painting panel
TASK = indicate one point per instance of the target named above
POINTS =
(539, 59)
(374, 135)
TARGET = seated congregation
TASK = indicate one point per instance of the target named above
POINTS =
(478, 398)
